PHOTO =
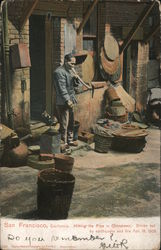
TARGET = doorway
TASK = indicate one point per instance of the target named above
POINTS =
(37, 71)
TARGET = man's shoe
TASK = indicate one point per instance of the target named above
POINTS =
(64, 147)
(73, 143)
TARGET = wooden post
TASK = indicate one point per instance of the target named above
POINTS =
(25, 16)
(127, 69)
(48, 63)
(87, 15)
(135, 27)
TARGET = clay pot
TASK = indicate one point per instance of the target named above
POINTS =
(16, 157)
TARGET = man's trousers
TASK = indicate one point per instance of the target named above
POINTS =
(66, 120)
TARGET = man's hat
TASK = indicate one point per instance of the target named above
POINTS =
(68, 57)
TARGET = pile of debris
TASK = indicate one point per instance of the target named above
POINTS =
(16, 146)
(122, 129)
(118, 137)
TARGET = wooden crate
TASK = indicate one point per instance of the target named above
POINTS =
(86, 137)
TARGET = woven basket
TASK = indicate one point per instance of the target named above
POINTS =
(121, 119)
(102, 143)
(131, 145)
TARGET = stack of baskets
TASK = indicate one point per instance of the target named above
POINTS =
(116, 109)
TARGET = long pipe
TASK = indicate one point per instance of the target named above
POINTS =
(7, 80)
(76, 75)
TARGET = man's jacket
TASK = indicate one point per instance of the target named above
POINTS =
(63, 83)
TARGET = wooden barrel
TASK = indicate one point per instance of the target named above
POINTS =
(54, 194)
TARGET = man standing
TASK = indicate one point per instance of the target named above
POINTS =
(65, 99)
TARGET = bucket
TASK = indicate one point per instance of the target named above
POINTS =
(63, 162)
(76, 129)
(50, 143)
(54, 194)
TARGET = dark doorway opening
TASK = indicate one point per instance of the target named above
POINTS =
(37, 72)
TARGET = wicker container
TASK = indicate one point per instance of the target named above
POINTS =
(129, 140)
(118, 110)
(54, 194)
(102, 143)
(130, 145)
(121, 119)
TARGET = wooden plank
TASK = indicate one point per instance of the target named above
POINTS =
(37, 125)
(57, 8)
(138, 35)
(87, 15)
(54, 13)
(127, 69)
(125, 98)
(48, 63)
(136, 26)
(152, 33)
(25, 16)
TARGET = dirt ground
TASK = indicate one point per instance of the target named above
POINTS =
(118, 184)
(106, 185)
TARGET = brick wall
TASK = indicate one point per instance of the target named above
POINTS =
(141, 76)
(56, 42)
(72, 13)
